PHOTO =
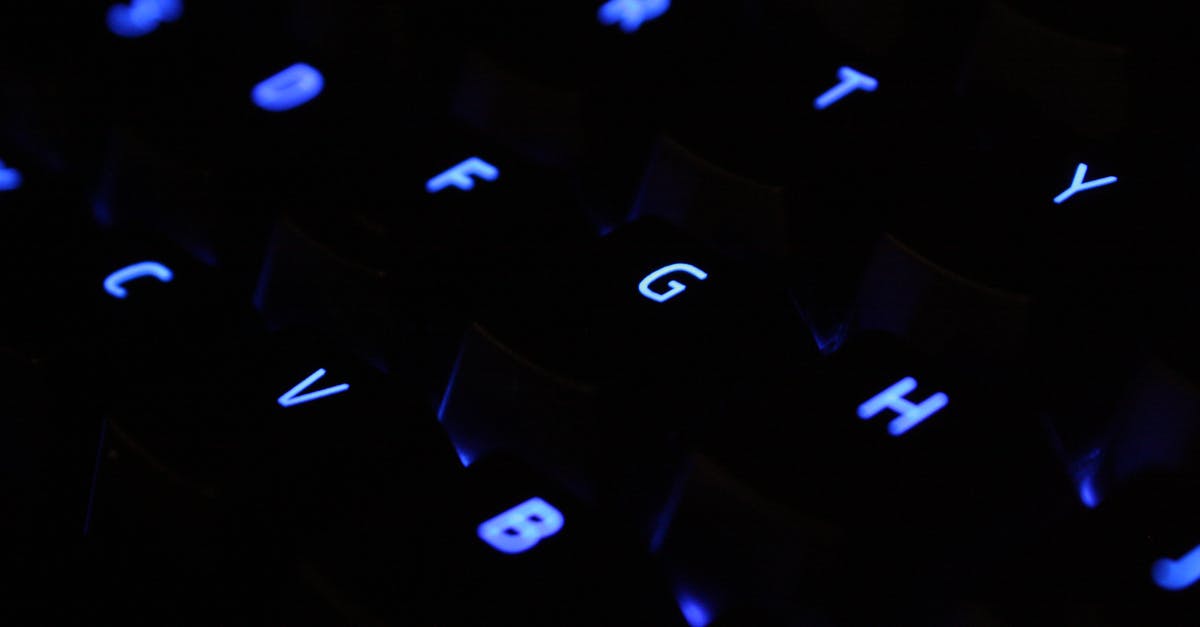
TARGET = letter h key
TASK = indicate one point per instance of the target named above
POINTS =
(910, 414)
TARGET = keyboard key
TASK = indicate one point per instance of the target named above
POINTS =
(733, 214)
(532, 554)
(45, 478)
(926, 491)
(542, 123)
(905, 295)
(429, 236)
(1154, 429)
(645, 290)
(615, 347)
(362, 488)
(292, 451)
(705, 536)
(1084, 85)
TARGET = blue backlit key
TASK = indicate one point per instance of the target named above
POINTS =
(615, 344)
(530, 548)
(928, 462)
(364, 487)
(476, 215)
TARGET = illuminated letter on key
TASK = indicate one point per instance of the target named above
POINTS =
(142, 17)
(911, 414)
(296, 395)
(630, 14)
(115, 283)
(1078, 185)
(1177, 574)
(520, 528)
(460, 175)
(288, 89)
(851, 80)
(675, 286)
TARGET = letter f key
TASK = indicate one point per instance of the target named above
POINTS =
(460, 175)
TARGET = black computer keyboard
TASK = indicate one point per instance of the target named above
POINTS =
(619, 312)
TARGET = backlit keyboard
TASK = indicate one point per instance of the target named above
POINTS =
(618, 312)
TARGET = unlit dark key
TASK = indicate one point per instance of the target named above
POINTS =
(906, 295)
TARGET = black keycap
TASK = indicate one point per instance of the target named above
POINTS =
(364, 491)
(785, 575)
(429, 235)
(614, 353)
(905, 295)
(45, 479)
(927, 489)
(537, 556)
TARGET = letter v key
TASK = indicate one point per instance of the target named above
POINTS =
(294, 396)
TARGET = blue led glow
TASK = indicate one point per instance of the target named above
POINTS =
(520, 528)
(1177, 574)
(460, 175)
(667, 514)
(631, 14)
(910, 414)
(675, 287)
(693, 611)
(464, 457)
(294, 397)
(1084, 472)
(1087, 492)
(441, 410)
(10, 179)
(115, 283)
(851, 79)
(1078, 184)
(91, 500)
(289, 88)
(142, 17)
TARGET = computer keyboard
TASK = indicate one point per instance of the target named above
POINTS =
(620, 312)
